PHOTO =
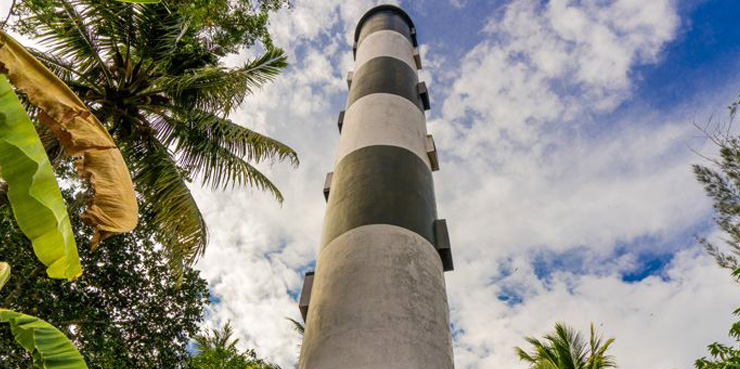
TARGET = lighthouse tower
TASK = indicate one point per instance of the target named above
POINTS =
(377, 299)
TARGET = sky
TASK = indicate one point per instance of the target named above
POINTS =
(565, 131)
(565, 134)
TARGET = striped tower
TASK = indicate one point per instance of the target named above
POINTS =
(377, 299)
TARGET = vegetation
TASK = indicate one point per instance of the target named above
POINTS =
(722, 356)
(566, 349)
(152, 76)
(126, 311)
(722, 184)
(4, 273)
(33, 192)
(48, 347)
(29, 182)
(217, 350)
(299, 327)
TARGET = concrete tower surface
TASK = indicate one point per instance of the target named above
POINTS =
(377, 299)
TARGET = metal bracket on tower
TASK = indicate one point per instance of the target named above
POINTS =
(417, 58)
(421, 89)
(443, 244)
(305, 295)
(413, 37)
(340, 121)
(432, 153)
(327, 185)
(349, 79)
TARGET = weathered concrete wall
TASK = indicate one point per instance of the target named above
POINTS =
(378, 302)
(399, 124)
(378, 299)
(385, 43)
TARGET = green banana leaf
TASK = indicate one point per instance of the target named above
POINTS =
(49, 347)
(4, 274)
(32, 190)
(141, 1)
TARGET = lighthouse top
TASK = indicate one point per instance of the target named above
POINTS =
(369, 23)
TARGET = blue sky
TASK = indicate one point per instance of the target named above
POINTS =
(565, 139)
(705, 54)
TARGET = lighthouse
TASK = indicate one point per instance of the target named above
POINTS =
(377, 298)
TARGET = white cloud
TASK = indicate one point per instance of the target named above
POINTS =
(531, 161)
(657, 323)
(458, 3)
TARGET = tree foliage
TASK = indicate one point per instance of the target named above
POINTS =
(151, 73)
(226, 26)
(126, 312)
(217, 349)
(566, 349)
(721, 181)
(49, 347)
(722, 356)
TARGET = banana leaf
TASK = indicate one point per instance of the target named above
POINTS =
(49, 348)
(141, 1)
(113, 208)
(32, 190)
(4, 274)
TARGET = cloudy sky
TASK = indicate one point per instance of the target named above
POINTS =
(565, 136)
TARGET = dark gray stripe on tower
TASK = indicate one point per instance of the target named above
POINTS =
(390, 15)
(381, 185)
(385, 20)
(385, 75)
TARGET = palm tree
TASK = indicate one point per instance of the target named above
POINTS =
(566, 349)
(297, 326)
(218, 350)
(157, 87)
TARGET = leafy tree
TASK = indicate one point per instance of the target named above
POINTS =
(228, 25)
(722, 356)
(151, 74)
(125, 313)
(566, 349)
(721, 182)
(217, 350)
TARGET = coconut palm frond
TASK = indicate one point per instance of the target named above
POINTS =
(565, 348)
(297, 326)
(170, 205)
(221, 90)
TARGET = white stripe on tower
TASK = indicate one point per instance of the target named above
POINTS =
(368, 317)
(400, 123)
(385, 43)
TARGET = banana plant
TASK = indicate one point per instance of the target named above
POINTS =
(33, 193)
(4, 274)
(32, 190)
(48, 346)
